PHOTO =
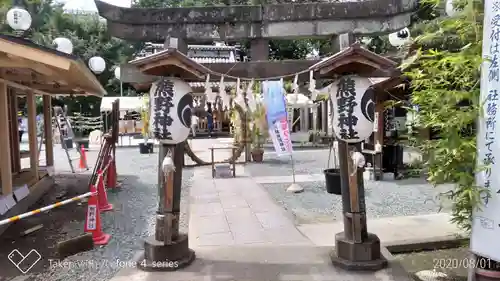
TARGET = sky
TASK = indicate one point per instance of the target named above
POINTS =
(89, 5)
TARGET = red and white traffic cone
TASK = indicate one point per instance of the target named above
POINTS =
(102, 196)
(111, 175)
(83, 159)
(93, 220)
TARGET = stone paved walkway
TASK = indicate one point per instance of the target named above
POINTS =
(237, 212)
(240, 233)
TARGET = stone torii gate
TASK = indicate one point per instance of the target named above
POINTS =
(259, 23)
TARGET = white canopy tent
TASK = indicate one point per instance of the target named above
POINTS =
(126, 103)
(298, 101)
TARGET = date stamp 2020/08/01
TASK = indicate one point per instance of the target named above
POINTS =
(451, 263)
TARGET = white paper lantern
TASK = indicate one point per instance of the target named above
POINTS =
(97, 65)
(353, 108)
(398, 39)
(117, 72)
(18, 19)
(171, 110)
(63, 45)
(450, 9)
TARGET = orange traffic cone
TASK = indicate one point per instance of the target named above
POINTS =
(102, 196)
(83, 158)
(93, 220)
(111, 175)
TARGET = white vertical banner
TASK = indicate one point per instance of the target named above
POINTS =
(280, 135)
(486, 222)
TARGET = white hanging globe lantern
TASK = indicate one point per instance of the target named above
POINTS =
(63, 45)
(450, 9)
(97, 65)
(19, 19)
(117, 72)
(400, 38)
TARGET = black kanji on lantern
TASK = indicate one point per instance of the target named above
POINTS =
(162, 103)
(346, 101)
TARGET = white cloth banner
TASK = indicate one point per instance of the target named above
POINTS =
(280, 135)
(486, 222)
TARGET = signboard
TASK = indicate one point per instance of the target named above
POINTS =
(91, 217)
(171, 110)
(344, 41)
(486, 222)
(289, 113)
(131, 74)
(353, 108)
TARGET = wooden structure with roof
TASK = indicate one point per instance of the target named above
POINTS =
(196, 54)
(384, 76)
(29, 70)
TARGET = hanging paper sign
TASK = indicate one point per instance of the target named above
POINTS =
(171, 110)
(375, 122)
(354, 108)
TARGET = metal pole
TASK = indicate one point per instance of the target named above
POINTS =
(121, 88)
(293, 167)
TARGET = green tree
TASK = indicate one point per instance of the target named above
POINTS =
(444, 67)
(89, 37)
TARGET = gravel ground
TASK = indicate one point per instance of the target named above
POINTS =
(129, 223)
(305, 161)
(383, 199)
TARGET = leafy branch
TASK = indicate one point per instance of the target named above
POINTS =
(443, 65)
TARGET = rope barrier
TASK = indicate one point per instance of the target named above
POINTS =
(46, 208)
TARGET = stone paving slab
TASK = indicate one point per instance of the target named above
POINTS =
(391, 231)
(237, 211)
(290, 263)
(289, 179)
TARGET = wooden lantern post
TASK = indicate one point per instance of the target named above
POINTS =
(355, 247)
(168, 249)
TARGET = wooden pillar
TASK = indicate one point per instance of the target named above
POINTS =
(5, 164)
(32, 134)
(308, 114)
(47, 130)
(15, 153)
(315, 119)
